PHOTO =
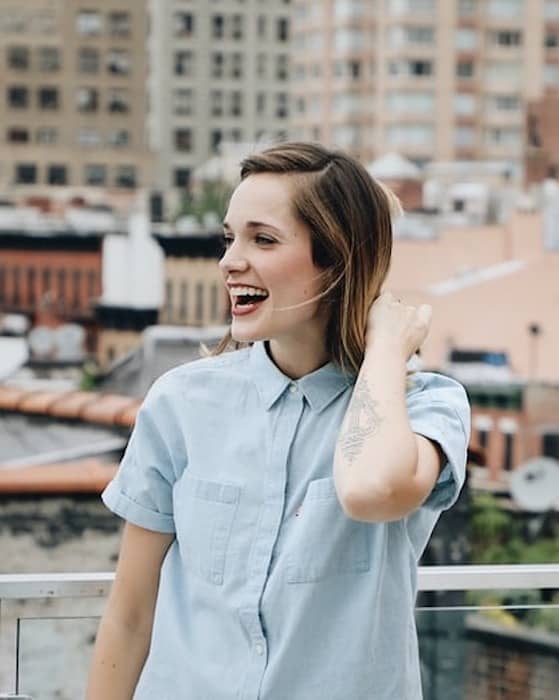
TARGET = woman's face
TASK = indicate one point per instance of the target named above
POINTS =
(268, 249)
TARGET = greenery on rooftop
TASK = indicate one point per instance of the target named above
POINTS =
(209, 197)
(501, 537)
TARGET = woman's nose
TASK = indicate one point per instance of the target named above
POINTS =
(232, 261)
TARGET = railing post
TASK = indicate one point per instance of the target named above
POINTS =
(9, 633)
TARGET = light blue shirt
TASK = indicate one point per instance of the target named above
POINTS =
(269, 591)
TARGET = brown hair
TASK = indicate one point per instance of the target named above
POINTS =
(348, 215)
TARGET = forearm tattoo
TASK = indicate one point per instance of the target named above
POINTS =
(362, 421)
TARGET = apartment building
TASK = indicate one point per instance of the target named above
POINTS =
(431, 79)
(72, 95)
(219, 73)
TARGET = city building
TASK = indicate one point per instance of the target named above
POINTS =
(219, 73)
(431, 80)
(73, 95)
(194, 291)
(542, 137)
(51, 277)
(492, 288)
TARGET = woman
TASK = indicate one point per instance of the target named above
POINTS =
(278, 497)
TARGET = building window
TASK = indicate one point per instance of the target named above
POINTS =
(91, 284)
(118, 62)
(465, 69)
(217, 63)
(118, 101)
(508, 455)
(87, 99)
(217, 26)
(47, 279)
(237, 65)
(2, 285)
(183, 101)
(237, 27)
(183, 303)
(183, 140)
(199, 312)
(25, 173)
(236, 103)
(281, 105)
(48, 98)
(16, 296)
(88, 60)
(216, 103)
(126, 177)
(216, 137)
(467, 8)
(260, 103)
(506, 38)
(18, 97)
(505, 8)
(119, 24)
(464, 137)
(17, 135)
(411, 68)
(465, 104)
(466, 39)
(49, 59)
(169, 299)
(46, 135)
(89, 23)
(214, 302)
(281, 67)
(118, 138)
(95, 175)
(550, 445)
(483, 438)
(61, 275)
(551, 9)
(551, 40)
(57, 175)
(76, 284)
(31, 281)
(184, 63)
(181, 177)
(89, 138)
(18, 57)
(282, 29)
(184, 24)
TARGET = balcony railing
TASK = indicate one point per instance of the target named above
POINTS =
(48, 624)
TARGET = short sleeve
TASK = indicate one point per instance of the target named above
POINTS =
(142, 490)
(438, 409)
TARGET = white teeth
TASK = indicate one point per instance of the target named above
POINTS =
(247, 291)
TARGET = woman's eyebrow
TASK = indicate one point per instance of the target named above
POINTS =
(253, 224)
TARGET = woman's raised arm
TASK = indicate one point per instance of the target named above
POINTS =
(124, 633)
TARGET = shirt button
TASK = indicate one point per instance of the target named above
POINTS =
(293, 388)
(259, 649)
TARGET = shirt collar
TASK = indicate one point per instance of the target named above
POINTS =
(320, 387)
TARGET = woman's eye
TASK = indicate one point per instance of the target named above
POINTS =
(227, 240)
(265, 240)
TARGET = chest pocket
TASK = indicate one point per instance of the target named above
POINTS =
(204, 513)
(324, 542)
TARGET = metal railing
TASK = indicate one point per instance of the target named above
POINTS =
(28, 597)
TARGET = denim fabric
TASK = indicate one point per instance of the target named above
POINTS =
(269, 591)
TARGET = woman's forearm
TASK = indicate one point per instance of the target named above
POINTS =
(118, 658)
(376, 450)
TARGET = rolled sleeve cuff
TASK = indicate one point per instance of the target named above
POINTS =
(122, 505)
(451, 479)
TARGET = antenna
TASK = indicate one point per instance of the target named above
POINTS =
(535, 485)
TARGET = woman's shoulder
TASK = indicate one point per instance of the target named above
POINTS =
(178, 377)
